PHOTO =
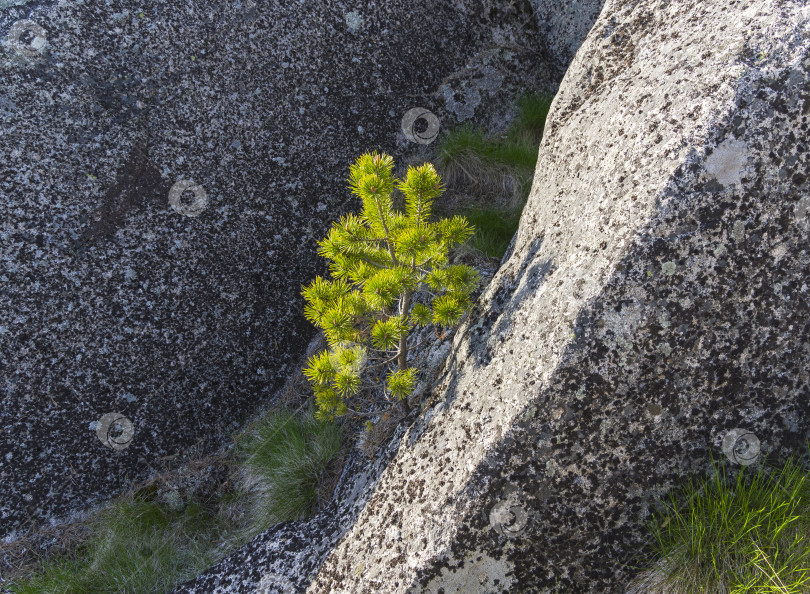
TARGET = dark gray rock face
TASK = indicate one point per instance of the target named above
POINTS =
(564, 25)
(165, 172)
(656, 300)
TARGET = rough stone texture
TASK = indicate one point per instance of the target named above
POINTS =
(117, 295)
(564, 25)
(656, 298)
(287, 557)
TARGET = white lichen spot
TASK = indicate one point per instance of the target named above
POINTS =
(275, 584)
(665, 349)
(393, 534)
(727, 162)
(801, 211)
(720, 251)
(353, 21)
(668, 268)
(779, 252)
(464, 110)
(478, 573)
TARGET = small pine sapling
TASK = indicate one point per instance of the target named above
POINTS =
(380, 260)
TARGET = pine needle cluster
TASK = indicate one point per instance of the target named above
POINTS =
(379, 261)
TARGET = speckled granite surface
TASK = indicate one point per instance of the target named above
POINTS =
(564, 25)
(656, 300)
(654, 304)
(287, 557)
(120, 293)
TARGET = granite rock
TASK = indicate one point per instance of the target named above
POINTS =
(652, 309)
(165, 171)
(564, 25)
(654, 303)
(287, 557)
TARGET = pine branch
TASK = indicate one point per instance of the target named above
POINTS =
(387, 234)
(380, 260)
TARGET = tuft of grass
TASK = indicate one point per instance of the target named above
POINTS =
(286, 456)
(459, 140)
(530, 122)
(494, 175)
(135, 546)
(466, 143)
(144, 544)
(733, 536)
(494, 228)
(517, 149)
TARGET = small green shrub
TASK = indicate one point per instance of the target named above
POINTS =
(288, 455)
(381, 261)
(733, 536)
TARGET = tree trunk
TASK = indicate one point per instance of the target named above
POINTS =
(402, 359)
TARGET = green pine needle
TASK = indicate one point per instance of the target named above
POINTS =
(385, 334)
(401, 383)
(421, 186)
(447, 310)
(421, 314)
